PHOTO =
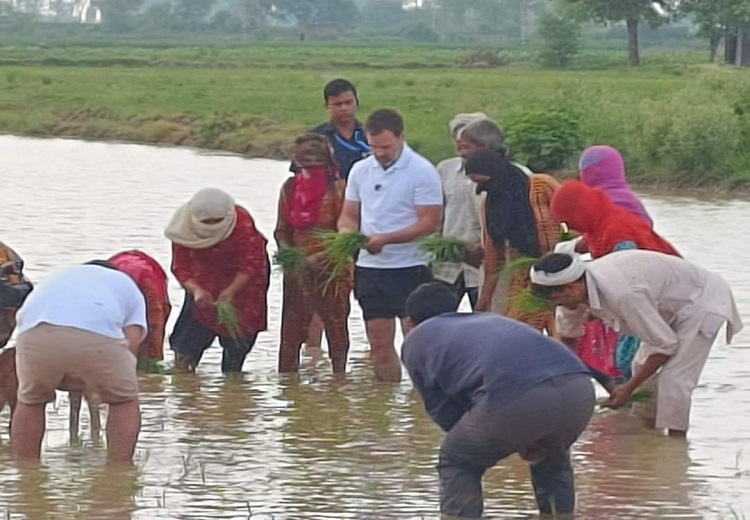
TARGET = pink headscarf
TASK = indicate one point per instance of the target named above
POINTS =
(602, 167)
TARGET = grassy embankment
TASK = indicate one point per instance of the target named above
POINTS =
(677, 121)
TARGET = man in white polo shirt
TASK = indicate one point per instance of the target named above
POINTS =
(395, 198)
(80, 328)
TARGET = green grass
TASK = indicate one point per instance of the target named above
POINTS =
(255, 99)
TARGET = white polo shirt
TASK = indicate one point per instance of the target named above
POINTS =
(86, 297)
(388, 203)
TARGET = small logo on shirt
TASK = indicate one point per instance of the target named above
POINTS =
(378, 187)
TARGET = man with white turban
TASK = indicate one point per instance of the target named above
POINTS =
(675, 307)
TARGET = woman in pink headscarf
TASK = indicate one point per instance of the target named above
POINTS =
(602, 167)
(601, 347)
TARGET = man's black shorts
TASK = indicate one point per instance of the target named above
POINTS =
(382, 293)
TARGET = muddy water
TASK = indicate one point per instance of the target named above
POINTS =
(264, 447)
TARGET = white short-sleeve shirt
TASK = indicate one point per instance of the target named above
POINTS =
(388, 201)
(87, 297)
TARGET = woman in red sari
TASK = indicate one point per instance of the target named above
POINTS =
(152, 281)
(606, 228)
(217, 254)
(311, 201)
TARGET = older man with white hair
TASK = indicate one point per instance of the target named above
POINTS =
(462, 218)
(673, 306)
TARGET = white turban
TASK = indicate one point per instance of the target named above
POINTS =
(568, 247)
(187, 227)
(461, 120)
(570, 274)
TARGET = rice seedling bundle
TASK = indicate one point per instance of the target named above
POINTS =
(149, 366)
(529, 303)
(340, 248)
(228, 317)
(290, 259)
(524, 263)
(565, 233)
(643, 395)
(444, 250)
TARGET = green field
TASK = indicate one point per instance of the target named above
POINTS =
(677, 120)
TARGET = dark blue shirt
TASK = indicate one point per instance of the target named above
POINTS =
(345, 151)
(460, 360)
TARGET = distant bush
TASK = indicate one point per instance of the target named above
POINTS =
(544, 139)
(560, 40)
(695, 143)
(420, 32)
(483, 58)
(698, 135)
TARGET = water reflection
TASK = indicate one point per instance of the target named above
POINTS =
(318, 447)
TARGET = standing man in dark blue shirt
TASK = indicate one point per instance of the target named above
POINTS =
(349, 143)
(496, 387)
(343, 131)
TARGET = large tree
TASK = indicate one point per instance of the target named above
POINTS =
(632, 12)
(727, 19)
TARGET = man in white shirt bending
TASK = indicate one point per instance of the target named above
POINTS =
(81, 326)
(394, 197)
(673, 306)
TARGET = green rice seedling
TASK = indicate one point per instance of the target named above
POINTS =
(340, 248)
(565, 233)
(149, 366)
(290, 259)
(228, 317)
(444, 250)
(524, 263)
(643, 395)
(528, 303)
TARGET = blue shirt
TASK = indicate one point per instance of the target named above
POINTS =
(87, 297)
(461, 360)
(345, 151)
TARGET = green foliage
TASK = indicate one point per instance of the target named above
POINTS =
(694, 135)
(528, 303)
(149, 366)
(620, 10)
(290, 259)
(228, 317)
(340, 249)
(120, 15)
(444, 249)
(560, 40)
(338, 14)
(544, 138)
(420, 32)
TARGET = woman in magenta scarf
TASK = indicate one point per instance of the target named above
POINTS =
(603, 167)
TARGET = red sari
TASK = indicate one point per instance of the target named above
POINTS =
(605, 228)
(604, 225)
(214, 268)
(305, 294)
(152, 281)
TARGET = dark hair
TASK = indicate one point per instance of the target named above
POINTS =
(552, 263)
(428, 300)
(102, 263)
(337, 87)
(385, 119)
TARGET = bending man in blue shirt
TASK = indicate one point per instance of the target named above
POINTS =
(496, 387)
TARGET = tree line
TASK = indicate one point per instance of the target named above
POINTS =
(489, 21)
